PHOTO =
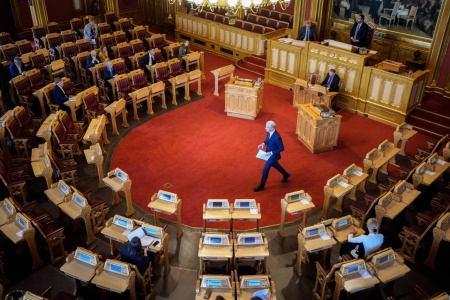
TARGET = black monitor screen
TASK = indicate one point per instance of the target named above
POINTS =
(217, 204)
(384, 259)
(295, 197)
(314, 231)
(244, 204)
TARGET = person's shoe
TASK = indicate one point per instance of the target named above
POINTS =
(285, 178)
(258, 188)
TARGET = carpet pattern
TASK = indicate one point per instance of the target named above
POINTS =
(200, 153)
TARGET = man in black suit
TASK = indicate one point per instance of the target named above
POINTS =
(307, 33)
(358, 34)
(108, 74)
(274, 145)
(92, 60)
(331, 82)
(60, 95)
(17, 68)
(148, 60)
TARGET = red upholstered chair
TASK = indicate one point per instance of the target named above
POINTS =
(24, 46)
(86, 19)
(140, 33)
(54, 41)
(264, 12)
(125, 24)
(286, 17)
(36, 78)
(273, 14)
(137, 46)
(91, 106)
(314, 79)
(16, 187)
(158, 56)
(262, 21)
(53, 27)
(48, 93)
(175, 67)
(84, 74)
(137, 59)
(68, 87)
(258, 28)
(124, 87)
(247, 26)
(202, 14)
(219, 18)
(22, 139)
(27, 123)
(108, 41)
(100, 74)
(221, 11)
(252, 18)
(71, 127)
(9, 52)
(238, 23)
(138, 79)
(39, 62)
(158, 42)
(173, 49)
(210, 16)
(69, 36)
(104, 28)
(69, 50)
(24, 91)
(110, 18)
(268, 29)
(39, 33)
(84, 45)
(124, 52)
(119, 66)
(162, 73)
(369, 36)
(76, 24)
(282, 24)
(226, 21)
(272, 23)
(120, 37)
(5, 38)
(68, 142)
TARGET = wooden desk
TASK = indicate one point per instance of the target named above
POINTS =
(56, 196)
(117, 185)
(41, 169)
(214, 252)
(96, 132)
(94, 155)
(358, 180)
(403, 132)
(407, 194)
(428, 176)
(242, 101)
(391, 270)
(338, 191)
(74, 211)
(161, 206)
(341, 235)
(354, 283)
(216, 215)
(242, 214)
(316, 133)
(114, 109)
(306, 93)
(440, 233)
(311, 245)
(389, 206)
(415, 64)
(115, 282)
(78, 270)
(115, 234)
(222, 73)
(141, 95)
(294, 208)
(378, 160)
(257, 252)
(227, 291)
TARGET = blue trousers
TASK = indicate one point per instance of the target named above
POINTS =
(272, 162)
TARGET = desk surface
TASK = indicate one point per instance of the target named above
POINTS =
(114, 183)
(298, 206)
(248, 293)
(115, 232)
(207, 252)
(355, 282)
(79, 270)
(381, 160)
(407, 134)
(4, 218)
(342, 235)
(316, 243)
(438, 170)
(391, 270)
(11, 230)
(355, 179)
(339, 190)
(55, 195)
(225, 293)
(223, 214)
(244, 214)
(394, 208)
(112, 281)
(408, 196)
(250, 251)
(163, 206)
(71, 209)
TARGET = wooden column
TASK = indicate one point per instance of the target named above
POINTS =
(39, 12)
(112, 5)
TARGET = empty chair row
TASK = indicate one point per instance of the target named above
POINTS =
(252, 27)
(265, 21)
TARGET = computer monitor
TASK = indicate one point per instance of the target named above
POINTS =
(216, 239)
(121, 174)
(79, 199)
(371, 154)
(386, 199)
(350, 170)
(217, 204)
(64, 187)
(245, 204)
(313, 230)
(421, 168)
(383, 257)
(255, 281)
(384, 145)
(333, 181)
(433, 159)
(117, 267)
(123, 222)
(295, 196)
(86, 256)
(215, 281)
(352, 267)
(250, 238)
(167, 196)
(152, 230)
(9, 206)
(342, 222)
(400, 187)
(23, 222)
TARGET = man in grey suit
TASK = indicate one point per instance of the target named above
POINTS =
(307, 32)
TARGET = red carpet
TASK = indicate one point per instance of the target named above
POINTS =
(204, 154)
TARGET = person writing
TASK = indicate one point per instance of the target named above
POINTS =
(358, 34)
(91, 31)
(135, 254)
(17, 68)
(363, 245)
(307, 33)
(331, 82)
(274, 146)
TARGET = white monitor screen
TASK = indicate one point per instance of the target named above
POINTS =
(252, 283)
(85, 257)
(116, 268)
(63, 187)
(215, 283)
(122, 222)
(342, 223)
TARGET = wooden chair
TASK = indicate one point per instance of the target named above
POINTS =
(84, 74)
(158, 41)
(273, 14)
(66, 167)
(24, 46)
(71, 127)
(111, 18)
(120, 37)
(5, 38)
(39, 34)
(67, 142)
(137, 46)
(282, 24)
(10, 52)
(16, 166)
(390, 14)
(69, 36)
(143, 283)
(84, 45)
(91, 106)
(141, 33)
(324, 278)
(69, 51)
(99, 71)
(53, 235)
(54, 41)
(138, 79)
(53, 27)
(172, 50)
(16, 187)
(162, 73)
(76, 24)
(104, 28)
(124, 88)
(411, 17)
(48, 93)
(24, 92)
(36, 78)
(27, 123)
(124, 52)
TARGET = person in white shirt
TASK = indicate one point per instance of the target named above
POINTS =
(371, 242)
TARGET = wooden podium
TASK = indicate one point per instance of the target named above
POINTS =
(242, 98)
(316, 133)
(305, 93)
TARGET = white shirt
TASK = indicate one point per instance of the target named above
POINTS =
(372, 242)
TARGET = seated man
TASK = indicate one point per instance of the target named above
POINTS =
(148, 60)
(307, 33)
(331, 82)
(91, 61)
(183, 51)
(16, 68)
(358, 34)
(108, 74)
(60, 95)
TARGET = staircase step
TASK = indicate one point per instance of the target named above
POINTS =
(431, 116)
(256, 60)
(428, 125)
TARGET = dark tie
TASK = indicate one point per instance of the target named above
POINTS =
(307, 34)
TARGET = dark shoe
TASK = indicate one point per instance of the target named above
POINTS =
(285, 178)
(258, 188)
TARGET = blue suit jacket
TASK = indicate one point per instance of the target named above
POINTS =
(14, 71)
(140, 261)
(59, 96)
(274, 144)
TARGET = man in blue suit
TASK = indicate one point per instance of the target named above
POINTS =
(274, 145)
(17, 68)
(60, 96)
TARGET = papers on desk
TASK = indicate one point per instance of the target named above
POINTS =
(145, 239)
(324, 236)
(365, 274)
(263, 294)
(343, 184)
(428, 172)
(262, 155)
(253, 211)
(358, 173)
(126, 232)
(441, 162)
(304, 201)
(20, 233)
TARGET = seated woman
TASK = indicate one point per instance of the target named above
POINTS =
(103, 54)
(135, 254)
(363, 245)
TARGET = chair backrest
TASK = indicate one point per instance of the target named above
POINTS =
(258, 28)
(413, 12)
(60, 134)
(138, 57)
(68, 87)
(162, 71)
(247, 26)
(100, 70)
(395, 9)
(138, 79)
(22, 85)
(13, 126)
(123, 83)
(140, 32)
(219, 18)
(120, 36)
(110, 17)
(86, 19)
(137, 46)
(38, 31)
(107, 40)
(24, 46)
(252, 18)
(370, 33)
(38, 60)
(202, 14)
(158, 41)
(262, 21)
(272, 23)
(36, 78)
(90, 101)
(76, 24)
(210, 16)
(158, 56)
(174, 48)
(283, 24)
(48, 93)
(69, 36)
(238, 23)
(175, 67)
(314, 78)
(66, 121)
(84, 45)
(81, 57)
(9, 52)
(124, 50)
(53, 27)
(125, 24)
(22, 116)
(104, 28)
(54, 40)
(119, 66)
(274, 14)
(268, 29)
(264, 12)
(285, 17)
(69, 49)
(5, 38)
